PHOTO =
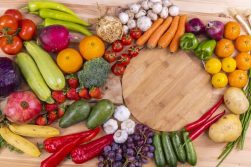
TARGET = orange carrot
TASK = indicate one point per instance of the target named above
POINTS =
(142, 40)
(168, 36)
(174, 46)
(153, 40)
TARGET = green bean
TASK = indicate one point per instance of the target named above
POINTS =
(71, 26)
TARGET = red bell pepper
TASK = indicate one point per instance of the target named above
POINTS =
(53, 144)
(194, 125)
(90, 150)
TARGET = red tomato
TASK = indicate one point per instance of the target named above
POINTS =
(133, 51)
(118, 69)
(12, 46)
(8, 24)
(28, 29)
(135, 33)
(117, 46)
(126, 40)
(15, 13)
(110, 56)
(124, 59)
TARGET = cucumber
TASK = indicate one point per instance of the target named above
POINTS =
(100, 113)
(190, 151)
(171, 158)
(177, 146)
(46, 65)
(158, 151)
(33, 77)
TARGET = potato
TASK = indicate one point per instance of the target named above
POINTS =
(226, 129)
(236, 101)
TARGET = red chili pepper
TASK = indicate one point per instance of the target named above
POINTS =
(196, 133)
(90, 150)
(53, 144)
(204, 117)
(57, 157)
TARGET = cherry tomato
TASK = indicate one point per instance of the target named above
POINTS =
(124, 59)
(15, 13)
(126, 40)
(135, 33)
(117, 46)
(28, 29)
(110, 56)
(133, 51)
(118, 69)
(12, 46)
(8, 24)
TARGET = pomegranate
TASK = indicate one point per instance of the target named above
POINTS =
(22, 107)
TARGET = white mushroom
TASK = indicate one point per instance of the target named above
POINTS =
(130, 14)
(152, 15)
(166, 3)
(131, 23)
(157, 7)
(125, 29)
(134, 8)
(123, 17)
(174, 10)
(144, 4)
(140, 13)
(144, 23)
(150, 4)
(164, 12)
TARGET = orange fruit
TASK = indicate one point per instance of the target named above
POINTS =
(92, 47)
(243, 61)
(238, 78)
(243, 43)
(69, 60)
(224, 48)
(232, 30)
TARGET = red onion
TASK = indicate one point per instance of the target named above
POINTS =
(195, 26)
(215, 30)
(54, 38)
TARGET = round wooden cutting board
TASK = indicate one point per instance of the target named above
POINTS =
(166, 91)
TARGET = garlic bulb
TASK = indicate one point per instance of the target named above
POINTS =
(125, 29)
(144, 5)
(123, 17)
(140, 13)
(174, 10)
(152, 15)
(134, 8)
(131, 23)
(130, 14)
(166, 3)
(157, 7)
(144, 23)
(164, 13)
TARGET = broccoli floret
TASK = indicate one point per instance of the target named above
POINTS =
(94, 73)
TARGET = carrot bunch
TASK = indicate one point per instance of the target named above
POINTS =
(164, 33)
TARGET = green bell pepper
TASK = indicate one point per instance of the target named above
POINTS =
(188, 42)
(205, 49)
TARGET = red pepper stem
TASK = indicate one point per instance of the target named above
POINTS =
(196, 133)
(194, 125)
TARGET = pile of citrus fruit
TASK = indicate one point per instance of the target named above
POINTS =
(230, 67)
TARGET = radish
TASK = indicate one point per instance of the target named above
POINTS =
(54, 38)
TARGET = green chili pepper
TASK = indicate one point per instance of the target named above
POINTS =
(188, 42)
(205, 49)
(71, 26)
(38, 5)
(53, 14)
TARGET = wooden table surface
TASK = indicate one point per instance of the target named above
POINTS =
(237, 158)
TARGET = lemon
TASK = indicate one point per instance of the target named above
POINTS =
(219, 80)
(228, 64)
(213, 66)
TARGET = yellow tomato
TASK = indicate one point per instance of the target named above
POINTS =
(219, 80)
(92, 47)
(228, 64)
(213, 66)
(69, 60)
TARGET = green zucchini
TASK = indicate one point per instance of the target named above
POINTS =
(46, 65)
(178, 148)
(158, 151)
(171, 158)
(33, 77)
(190, 151)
